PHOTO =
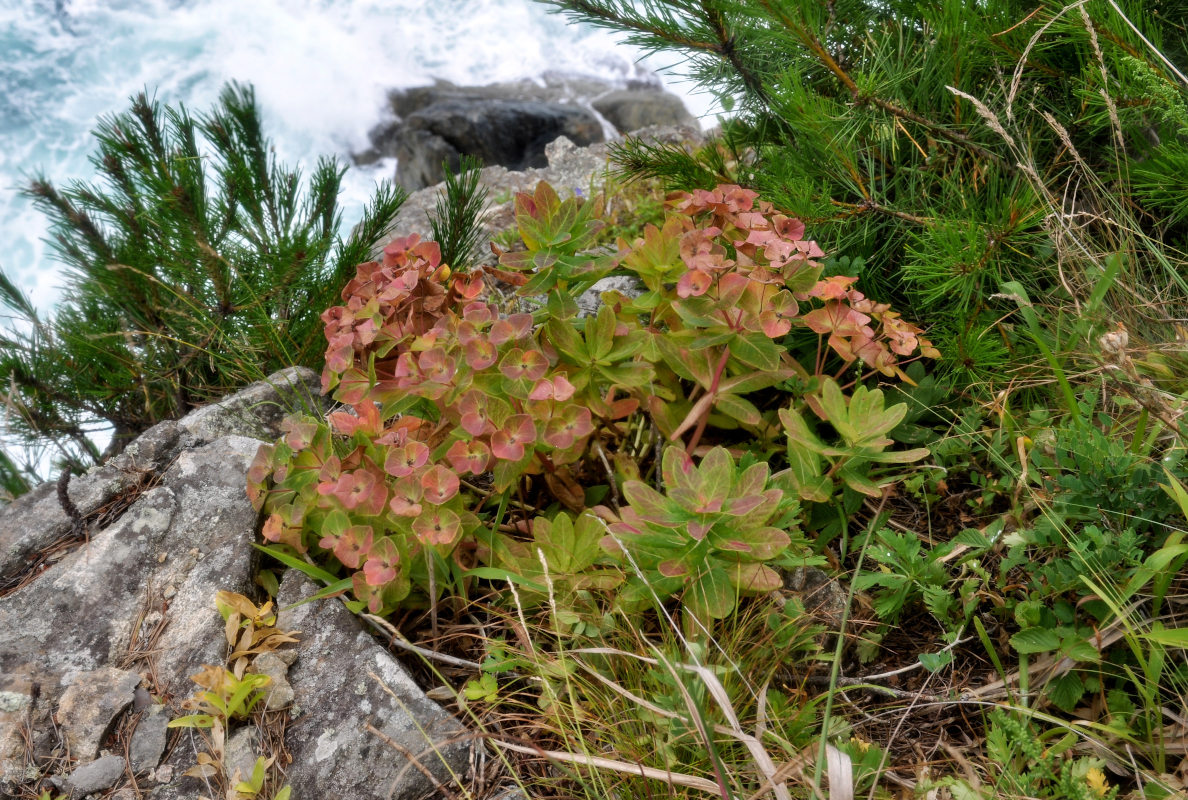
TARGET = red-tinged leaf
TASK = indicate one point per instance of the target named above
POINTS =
(694, 283)
(367, 421)
(468, 287)
(381, 564)
(299, 433)
(512, 278)
(439, 527)
(353, 386)
(788, 227)
(526, 365)
(406, 498)
(623, 408)
(566, 428)
(835, 287)
(406, 459)
(436, 366)
(556, 388)
(672, 569)
(353, 545)
(698, 529)
(508, 443)
(516, 326)
(647, 503)
(479, 354)
(767, 543)
(754, 578)
(838, 319)
(439, 484)
(480, 313)
(469, 455)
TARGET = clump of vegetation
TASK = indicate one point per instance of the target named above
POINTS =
(233, 694)
(456, 402)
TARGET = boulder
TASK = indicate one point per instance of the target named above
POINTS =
(378, 734)
(571, 169)
(99, 637)
(508, 132)
(632, 109)
(509, 124)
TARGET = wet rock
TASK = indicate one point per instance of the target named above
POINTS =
(149, 738)
(511, 133)
(90, 704)
(335, 756)
(510, 124)
(100, 774)
(632, 109)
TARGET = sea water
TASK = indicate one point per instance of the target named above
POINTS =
(320, 68)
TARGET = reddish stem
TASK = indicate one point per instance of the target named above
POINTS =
(713, 391)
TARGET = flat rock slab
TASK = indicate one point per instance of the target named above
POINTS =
(335, 756)
(149, 739)
(90, 705)
(37, 520)
(141, 592)
(95, 776)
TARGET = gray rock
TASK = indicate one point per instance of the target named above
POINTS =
(571, 169)
(590, 301)
(511, 133)
(193, 532)
(35, 521)
(96, 776)
(16, 703)
(240, 754)
(148, 740)
(823, 597)
(632, 109)
(335, 756)
(90, 704)
(278, 693)
(258, 410)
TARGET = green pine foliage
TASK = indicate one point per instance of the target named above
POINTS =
(195, 263)
(953, 149)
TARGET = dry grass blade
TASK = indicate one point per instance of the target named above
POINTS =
(841, 774)
(985, 113)
(671, 778)
(763, 760)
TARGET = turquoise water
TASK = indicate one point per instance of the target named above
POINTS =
(320, 68)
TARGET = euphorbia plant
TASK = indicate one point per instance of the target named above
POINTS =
(708, 538)
(453, 399)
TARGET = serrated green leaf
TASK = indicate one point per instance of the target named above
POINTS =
(1035, 640)
(934, 662)
(1066, 691)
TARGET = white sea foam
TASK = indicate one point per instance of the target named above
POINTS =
(320, 68)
